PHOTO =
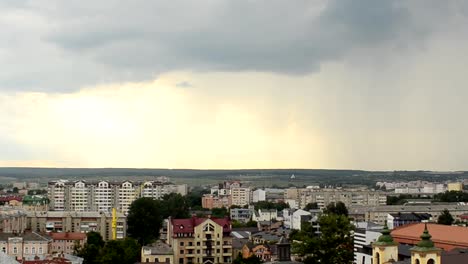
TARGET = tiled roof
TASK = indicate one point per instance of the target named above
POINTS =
(187, 225)
(68, 236)
(30, 236)
(456, 236)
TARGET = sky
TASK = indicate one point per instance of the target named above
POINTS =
(338, 84)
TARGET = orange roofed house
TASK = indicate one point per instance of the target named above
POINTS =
(443, 236)
(200, 240)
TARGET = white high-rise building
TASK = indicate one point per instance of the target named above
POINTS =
(102, 196)
(79, 197)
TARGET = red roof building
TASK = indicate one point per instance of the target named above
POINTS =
(200, 240)
(443, 236)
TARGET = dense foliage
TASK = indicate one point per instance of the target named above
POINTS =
(333, 245)
(250, 260)
(271, 205)
(452, 196)
(96, 251)
(445, 218)
(338, 208)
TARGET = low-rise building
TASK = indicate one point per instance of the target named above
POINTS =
(265, 215)
(25, 246)
(157, 252)
(65, 243)
(242, 215)
(400, 219)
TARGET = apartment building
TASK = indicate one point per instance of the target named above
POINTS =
(78, 222)
(200, 240)
(210, 201)
(102, 196)
(350, 197)
(379, 214)
(241, 196)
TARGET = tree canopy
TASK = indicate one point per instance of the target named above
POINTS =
(445, 218)
(144, 220)
(338, 208)
(333, 245)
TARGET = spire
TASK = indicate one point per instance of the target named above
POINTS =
(426, 244)
(426, 241)
(386, 238)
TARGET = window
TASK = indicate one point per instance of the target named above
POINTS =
(418, 262)
(208, 227)
(4, 250)
(181, 260)
(15, 250)
(33, 250)
(147, 259)
(181, 244)
(182, 251)
(26, 250)
(198, 243)
(40, 250)
(430, 261)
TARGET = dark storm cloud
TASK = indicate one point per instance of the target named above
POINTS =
(60, 45)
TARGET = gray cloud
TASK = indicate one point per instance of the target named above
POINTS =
(63, 45)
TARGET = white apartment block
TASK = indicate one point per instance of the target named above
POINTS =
(350, 197)
(102, 196)
(259, 195)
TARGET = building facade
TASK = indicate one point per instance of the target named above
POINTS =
(80, 222)
(102, 196)
(379, 214)
(25, 246)
(200, 240)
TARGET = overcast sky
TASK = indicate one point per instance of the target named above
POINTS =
(376, 85)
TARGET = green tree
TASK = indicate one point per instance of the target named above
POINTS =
(125, 251)
(311, 206)
(219, 212)
(91, 250)
(144, 220)
(445, 218)
(174, 205)
(338, 208)
(334, 245)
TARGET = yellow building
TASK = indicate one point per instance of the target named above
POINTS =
(455, 186)
(425, 252)
(384, 250)
(200, 240)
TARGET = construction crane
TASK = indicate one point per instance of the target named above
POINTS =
(114, 223)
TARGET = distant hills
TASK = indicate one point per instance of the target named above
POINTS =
(258, 177)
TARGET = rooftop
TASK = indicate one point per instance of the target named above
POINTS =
(455, 236)
(187, 225)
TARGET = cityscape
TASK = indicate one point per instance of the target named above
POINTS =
(233, 132)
